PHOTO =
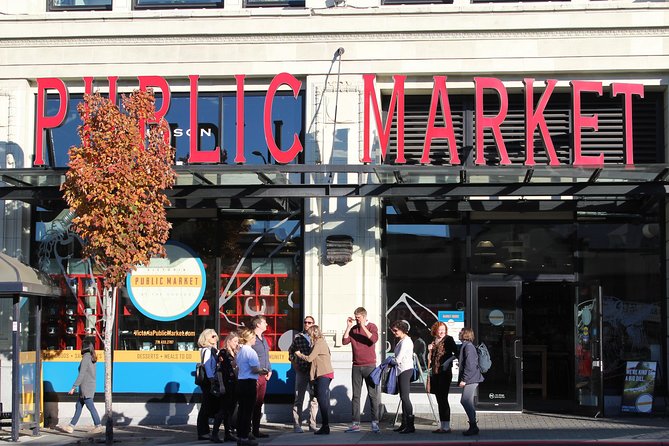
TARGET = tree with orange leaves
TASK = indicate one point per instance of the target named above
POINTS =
(115, 186)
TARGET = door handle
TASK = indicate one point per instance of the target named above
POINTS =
(515, 349)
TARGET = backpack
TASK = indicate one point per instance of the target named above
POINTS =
(484, 357)
(200, 372)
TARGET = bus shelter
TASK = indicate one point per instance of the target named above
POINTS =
(22, 290)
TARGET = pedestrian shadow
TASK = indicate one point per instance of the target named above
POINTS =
(340, 404)
(171, 408)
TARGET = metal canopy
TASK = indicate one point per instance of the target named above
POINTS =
(266, 185)
(19, 279)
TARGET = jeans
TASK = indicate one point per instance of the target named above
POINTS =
(322, 385)
(302, 386)
(358, 374)
(246, 397)
(404, 383)
(91, 408)
(467, 401)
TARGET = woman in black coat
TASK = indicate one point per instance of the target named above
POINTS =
(442, 351)
(227, 372)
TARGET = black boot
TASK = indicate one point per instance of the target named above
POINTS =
(214, 436)
(229, 436)
(402, 426)
(324, 430)
(410, 428)
(473, 429)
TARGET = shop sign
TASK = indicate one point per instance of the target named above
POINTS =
(639, 386)
(440, 112)
(455, 322)
(168, 288)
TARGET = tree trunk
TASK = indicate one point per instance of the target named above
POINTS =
(109, 317)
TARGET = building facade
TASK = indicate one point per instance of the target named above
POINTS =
(501, 165)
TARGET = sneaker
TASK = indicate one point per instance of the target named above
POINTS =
(298, 430)
(353, 428)
(69, 428)
(97, 429)
(375, 427)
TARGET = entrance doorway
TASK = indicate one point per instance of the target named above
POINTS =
(548, 346)
(529, 329)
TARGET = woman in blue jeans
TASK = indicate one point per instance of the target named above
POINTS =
(86, 383)
(469, 377)
(321, 374)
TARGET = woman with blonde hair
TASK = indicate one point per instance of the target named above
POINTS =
(469, 377)
(248, 366)
(442, 351)
(321, 374)
(208, 343)
(227, 373)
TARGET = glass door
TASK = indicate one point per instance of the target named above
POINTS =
(496, 319)
(588, 350)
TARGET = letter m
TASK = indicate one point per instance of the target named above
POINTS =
(371, 102)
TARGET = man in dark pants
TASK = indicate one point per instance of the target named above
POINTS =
(362, 336)
(259, 326)
(302, 344)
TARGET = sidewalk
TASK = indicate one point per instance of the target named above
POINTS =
(496, 429)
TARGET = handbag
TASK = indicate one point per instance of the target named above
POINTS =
(217, 387)
(200, 372)
(415, 374)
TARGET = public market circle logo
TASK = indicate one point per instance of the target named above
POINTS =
(168, 288)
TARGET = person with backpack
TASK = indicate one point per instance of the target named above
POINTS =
(208, 342)
(469, 377)
(227, 392)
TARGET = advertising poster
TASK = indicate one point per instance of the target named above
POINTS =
(639, 386)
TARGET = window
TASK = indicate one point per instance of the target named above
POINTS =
(152, 4)
(266, 3)
(216, 126)
(71, 5)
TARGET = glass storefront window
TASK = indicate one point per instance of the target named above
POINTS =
(625, 259)
(514, 248)
(216, 126)
(418, 291)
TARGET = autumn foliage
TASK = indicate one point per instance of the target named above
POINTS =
(116, 183)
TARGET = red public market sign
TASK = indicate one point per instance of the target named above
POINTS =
(439, 110)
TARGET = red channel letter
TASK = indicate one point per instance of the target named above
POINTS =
(440, 97)
(279, 155)
(48, 122)
(384, 135)
(534, 118)
(581, 121)
(627, 90)
(494, 122)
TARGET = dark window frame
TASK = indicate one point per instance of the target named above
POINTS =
(51, 7)
(417, 2)
(196, 4)
(274, 3)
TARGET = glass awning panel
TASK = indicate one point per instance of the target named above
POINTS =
(368, 175)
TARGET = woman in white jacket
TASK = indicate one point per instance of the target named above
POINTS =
(404, 361)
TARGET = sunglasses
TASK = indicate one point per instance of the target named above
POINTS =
(308, 323)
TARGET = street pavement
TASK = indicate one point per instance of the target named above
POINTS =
(496, 429)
